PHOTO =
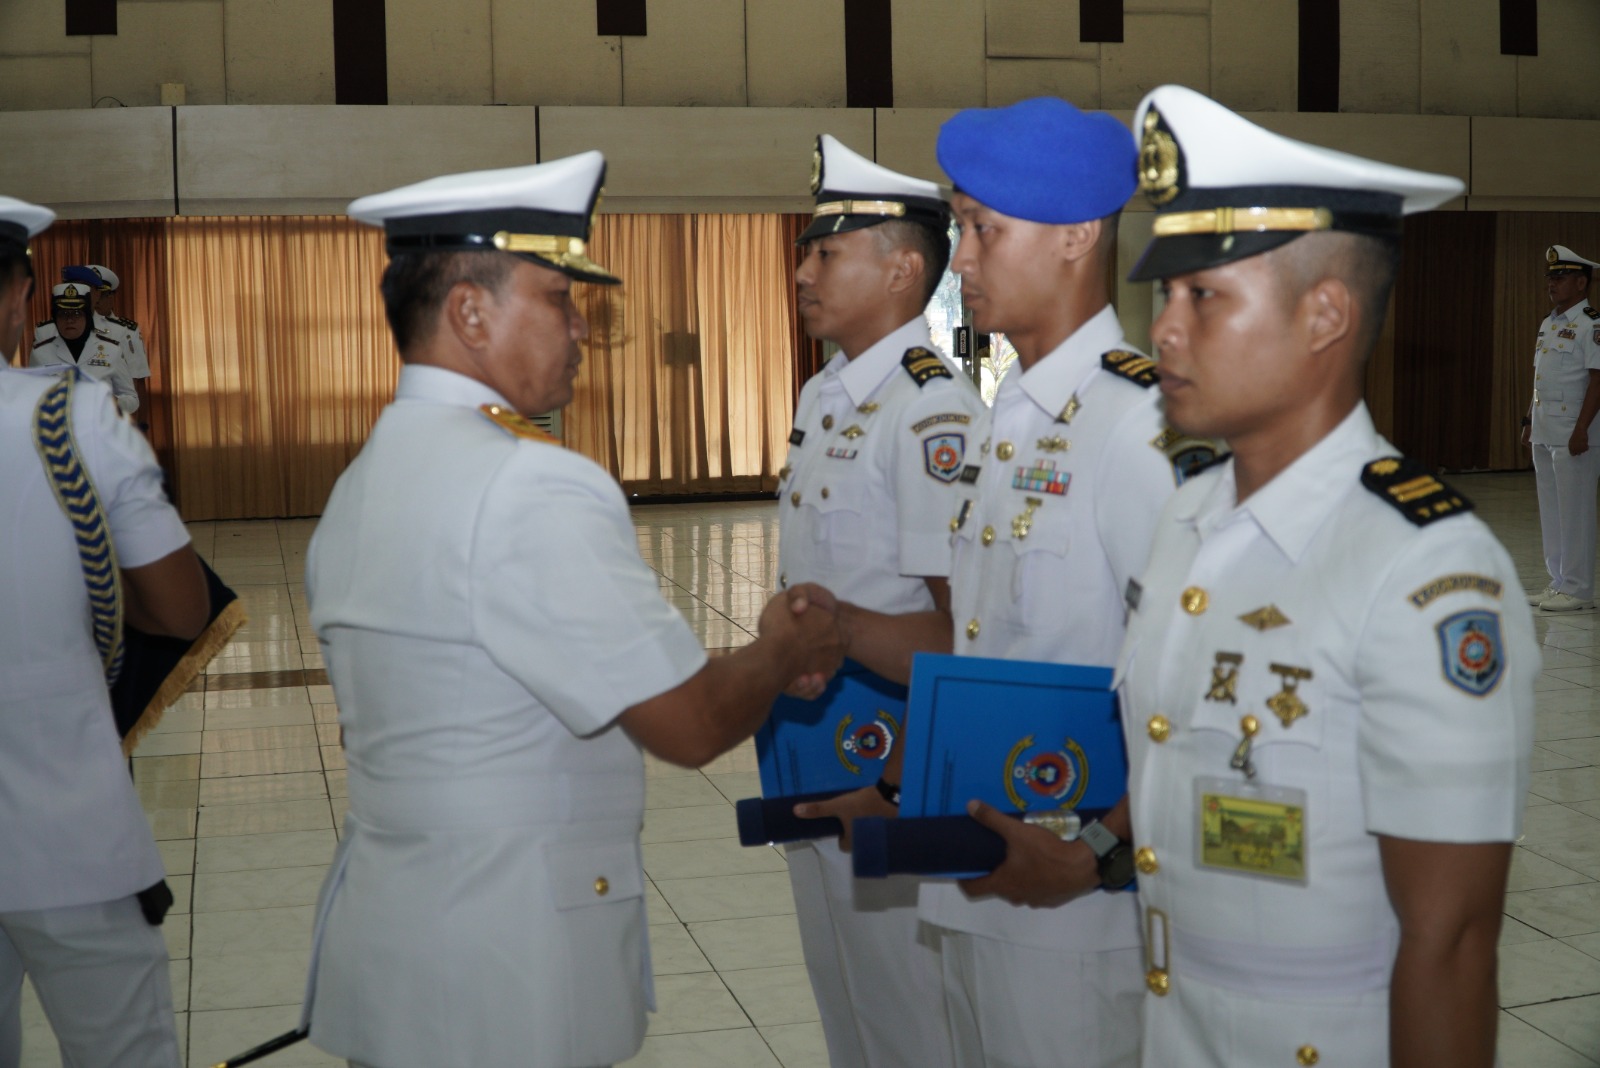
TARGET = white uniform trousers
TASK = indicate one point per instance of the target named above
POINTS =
(1567, 516)
(874, 966)
(1014, 1006)
(101, 975)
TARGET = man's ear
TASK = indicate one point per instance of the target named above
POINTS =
(1078, 240)
(907, 267)
(1332, 313)
(466, 314)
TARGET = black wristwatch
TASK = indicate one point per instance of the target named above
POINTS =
(1113, 856)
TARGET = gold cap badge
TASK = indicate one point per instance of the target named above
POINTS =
(1158, 160)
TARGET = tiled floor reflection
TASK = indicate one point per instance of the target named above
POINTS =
(244, 786)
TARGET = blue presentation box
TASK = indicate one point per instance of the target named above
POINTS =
(837, 742)
(1020, 735)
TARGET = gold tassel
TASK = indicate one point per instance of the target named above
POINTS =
(201, 653)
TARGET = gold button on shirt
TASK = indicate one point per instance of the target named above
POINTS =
(1145, 860)
(602, 886)
(1160, 729)
(1195, 600)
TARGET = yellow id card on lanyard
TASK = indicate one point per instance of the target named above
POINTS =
(1251, 829)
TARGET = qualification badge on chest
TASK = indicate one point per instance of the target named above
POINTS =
(1471, 647)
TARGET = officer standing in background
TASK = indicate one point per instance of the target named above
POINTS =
(1327, 683)
(501, 654)
(1566, 400)
(72, 342)
(1061, 497)
(865, 497)
(81, 887)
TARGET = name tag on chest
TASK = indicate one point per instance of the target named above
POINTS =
(1246, 829)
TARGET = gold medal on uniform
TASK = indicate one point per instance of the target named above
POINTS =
(1286, 703)
(1225, 678)
(1020, 525)
(1246, 829)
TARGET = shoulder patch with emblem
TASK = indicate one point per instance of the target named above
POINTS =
(1412, 489)
(1593, 313)
(517, 425)
(1472, 651)
(1188, 456)
(1140, 370)
(923, 366)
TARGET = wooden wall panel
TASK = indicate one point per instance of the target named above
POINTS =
(796, 53)
(938, 54)
(693, 56)
(1157, 49)
(279, 51)
(1504, 151)
(439, 53)
(162, 41)
(547, 52)
(1462, 70)
(1380, 44)
(38, 83)
(1011, 80)
(133, 172)
(1253, 49)
(1028, 29)
(1553, 83)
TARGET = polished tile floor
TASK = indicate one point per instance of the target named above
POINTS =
(244, 784)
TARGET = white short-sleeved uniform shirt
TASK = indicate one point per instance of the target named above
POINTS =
(1388, 668)
(870, 483)
(126, 331)
(1060, 501)
(1567, 349)
(485, 617)
(72, 831)
(102, 357)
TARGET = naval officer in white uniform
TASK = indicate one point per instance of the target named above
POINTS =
(865, 496)
(71, 341)
(501, 655)
(81, 881)
(1566, 403)
(1327, 683)
(1059, 503)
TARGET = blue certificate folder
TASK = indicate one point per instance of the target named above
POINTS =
(1020, 735)
(837, 742)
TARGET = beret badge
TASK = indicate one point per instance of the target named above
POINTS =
(1159, 161)
(816, 168)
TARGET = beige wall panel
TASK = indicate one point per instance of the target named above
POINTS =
(1379, 56)
(133, 175)
(1438, 143)
(1031, 29)
(1136, 301)
(939, 54)
(1588, 204)
(35, 26)
(907, 139)
(693, 56)
(1156, 49)
(162, 41)
(796, 53)
(308, 160)
(1011, 80)
(279, 51)
(33, 83)
(702, 153)
(439, 53)
(1168, 7)
(1463, 72)
(1558, 83)
(546, 52)
(1255, 47)
(1502, 149)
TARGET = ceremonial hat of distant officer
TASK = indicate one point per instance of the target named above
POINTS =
(70, 296)
(1224, 188)
(853, 193)
(108, 277)
(1560, 259)
(20, 221)
(1041, 160)
(543, 213)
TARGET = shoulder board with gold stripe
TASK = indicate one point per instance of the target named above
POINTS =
(120, 321)
(43, 322)
(103, 336)
(923, 366)
(1140, 370)
(517, 425)
(1414, 490)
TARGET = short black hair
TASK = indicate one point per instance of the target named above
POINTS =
(1366, 264)
(14, 262)
(415, 284)
(932, 244)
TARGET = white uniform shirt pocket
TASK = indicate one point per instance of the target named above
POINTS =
(1040, 537)
(588, 873)
(843, 528)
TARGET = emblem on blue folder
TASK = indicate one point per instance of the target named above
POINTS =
(1036, 776)
(1470, 642)
(871, 740)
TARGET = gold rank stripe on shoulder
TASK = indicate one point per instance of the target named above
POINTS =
(518, 425)
(923, 366)
(1465, 582)
(1140, 370)
(1413, 490)
(120, 321)
(1591, 312)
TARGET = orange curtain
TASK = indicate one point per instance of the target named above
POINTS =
(687, 379)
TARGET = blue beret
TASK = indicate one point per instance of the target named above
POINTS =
(81, 275)
(1042, 160)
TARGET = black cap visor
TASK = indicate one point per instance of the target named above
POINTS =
(1167, 257)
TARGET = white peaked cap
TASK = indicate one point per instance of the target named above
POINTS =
(853, 192)
(1562, 258)
(20, 220)
(107, 276)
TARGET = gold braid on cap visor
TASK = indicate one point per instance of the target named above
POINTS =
(860, 207)
(562, 251)
(1243, 220)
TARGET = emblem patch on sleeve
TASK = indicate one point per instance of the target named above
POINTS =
(1188, 456)
(1472, 650)
(942, 453)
